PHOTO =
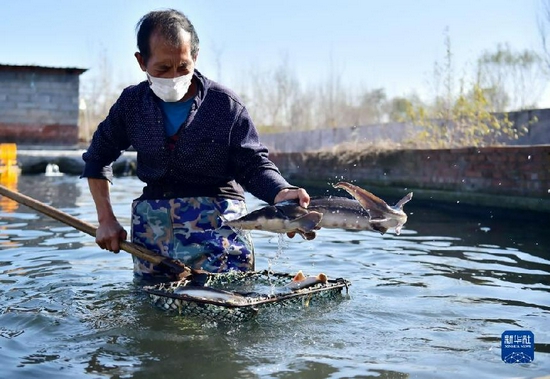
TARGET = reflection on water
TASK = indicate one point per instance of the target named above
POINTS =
(430, 303)
(8, 178)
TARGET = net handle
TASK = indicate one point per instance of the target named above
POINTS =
(171, 265)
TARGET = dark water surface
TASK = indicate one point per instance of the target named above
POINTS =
(430, 303)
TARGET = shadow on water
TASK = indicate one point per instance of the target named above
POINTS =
(499, 239)
(483, 225)
(429, 303)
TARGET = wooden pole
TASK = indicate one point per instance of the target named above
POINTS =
(172, 265)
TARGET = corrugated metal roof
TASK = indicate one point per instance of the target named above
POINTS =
(42, 69)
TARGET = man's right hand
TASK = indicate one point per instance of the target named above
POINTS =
(109, 234)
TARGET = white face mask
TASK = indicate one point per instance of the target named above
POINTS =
(172, 89)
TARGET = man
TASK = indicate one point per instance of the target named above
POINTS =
(196, 146)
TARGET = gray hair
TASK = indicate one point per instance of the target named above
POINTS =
(169, 24)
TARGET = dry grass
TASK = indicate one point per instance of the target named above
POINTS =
(349, 152)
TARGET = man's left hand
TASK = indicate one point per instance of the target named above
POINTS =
(293, 193)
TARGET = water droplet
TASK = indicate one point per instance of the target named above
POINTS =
(528, 157)
(458, 201)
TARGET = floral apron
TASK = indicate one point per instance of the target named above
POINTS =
(189, 229)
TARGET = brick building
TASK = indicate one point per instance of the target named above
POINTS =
(39, 105)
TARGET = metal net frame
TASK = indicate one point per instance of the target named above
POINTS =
(256, 290)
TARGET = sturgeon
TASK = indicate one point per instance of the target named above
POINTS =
(211, 294)
(365, 211)
(300, 281)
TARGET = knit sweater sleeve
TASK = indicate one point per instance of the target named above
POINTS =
(108, 142)
(250, 161)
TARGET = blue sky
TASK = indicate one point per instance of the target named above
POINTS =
(391, 44)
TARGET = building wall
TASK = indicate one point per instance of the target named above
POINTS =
(312, 140)
(39, 107)
(522, 172)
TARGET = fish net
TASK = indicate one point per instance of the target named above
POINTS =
(240, 296)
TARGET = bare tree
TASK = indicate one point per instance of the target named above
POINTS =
(372, 106)
(511, 80)
(276, 100)
(332, 95)
(302, 114)
(98, 93)
(217, 51)
(544, 30)
(285, 91)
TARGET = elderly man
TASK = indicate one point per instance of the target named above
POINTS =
(196, 146)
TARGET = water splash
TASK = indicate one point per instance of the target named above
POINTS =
(271, 261)
(52, 170)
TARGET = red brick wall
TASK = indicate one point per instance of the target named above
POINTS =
(513, 171)
(30, 134)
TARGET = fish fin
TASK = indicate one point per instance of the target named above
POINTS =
(404, 201)
(379, 227)
(375, 206)
(308, 236)
(299, 276)
(307, 222)
(322, 278)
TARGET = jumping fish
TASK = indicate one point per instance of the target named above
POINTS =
(283, 217)
(300, 281)
(382, 216)
(365, 212)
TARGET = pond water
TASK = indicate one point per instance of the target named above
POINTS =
(430, 303)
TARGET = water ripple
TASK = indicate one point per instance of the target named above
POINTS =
(430, 303)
